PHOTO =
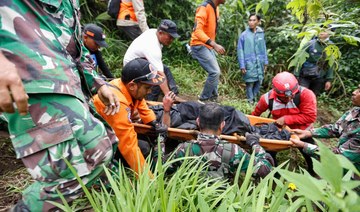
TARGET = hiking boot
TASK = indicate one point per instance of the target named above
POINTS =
(209, 100)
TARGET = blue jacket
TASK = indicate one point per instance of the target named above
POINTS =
(251, 52)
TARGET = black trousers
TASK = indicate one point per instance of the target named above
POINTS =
(317, 85)
(156, 90)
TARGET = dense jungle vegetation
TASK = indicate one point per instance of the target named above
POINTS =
(287, 24)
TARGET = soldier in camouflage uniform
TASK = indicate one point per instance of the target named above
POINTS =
(223, 157)
(347, 129)
(42, 99)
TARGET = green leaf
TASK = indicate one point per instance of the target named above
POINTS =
(241, 5)
(352, 40)
(104, 17)
(330, 169)
(313, 10)
(307, 186)
(347, 164)
(203, 206)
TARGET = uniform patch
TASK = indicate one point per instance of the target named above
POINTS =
(129, 114)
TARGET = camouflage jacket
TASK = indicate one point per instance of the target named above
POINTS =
(43, 39)
(224, 157)
(347, 129)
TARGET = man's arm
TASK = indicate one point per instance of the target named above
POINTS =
(261, 106)
(329, 76)
(11, 88)
(330, 130)
(240, 53)
(263, 161)
(155, 59)
(140, 14)
(168, 101)
(102, 65)
(96, 84)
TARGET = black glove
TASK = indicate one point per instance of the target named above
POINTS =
(252, 139)
(159, 128)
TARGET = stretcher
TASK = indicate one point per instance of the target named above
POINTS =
(185, 135)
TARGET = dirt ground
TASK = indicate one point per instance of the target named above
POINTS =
(12, 174)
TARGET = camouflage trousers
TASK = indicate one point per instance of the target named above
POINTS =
(59, 127)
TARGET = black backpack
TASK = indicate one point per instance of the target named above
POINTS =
(296, 100)
(113, 8)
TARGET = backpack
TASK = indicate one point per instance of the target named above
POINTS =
(223, 170)
(296, 100)
(113, 8)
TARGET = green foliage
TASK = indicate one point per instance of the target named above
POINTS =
(263, 6)
(298, 8)
(334, 190)
(188, 189)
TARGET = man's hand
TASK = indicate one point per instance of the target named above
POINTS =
(243, 71)
(218, 48)
(168, 101)
(11, 89)
(280, 121)
(109, 99)
(302, 133)
(252, 139)
(159, 127)
(297, 143)
(327, 86)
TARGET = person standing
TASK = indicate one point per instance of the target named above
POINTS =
(132, 18)
(44, 90)
(203, 46)
(149, 46)
(252, 57)
(316, 73)
(94, 38)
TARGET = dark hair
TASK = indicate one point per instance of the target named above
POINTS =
(258, 17)
(210, 116)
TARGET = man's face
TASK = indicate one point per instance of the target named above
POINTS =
(285, 99)
(165, 38)
(324, 35)
(356, 97)
(140, 91)
(222, 1)
(253, 22)
(90, 44)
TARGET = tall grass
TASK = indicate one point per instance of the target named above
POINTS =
(189, 189)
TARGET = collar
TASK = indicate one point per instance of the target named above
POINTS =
(207, 136)
(355, 111)
(258, 29)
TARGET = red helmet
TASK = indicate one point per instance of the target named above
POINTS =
(285, 84)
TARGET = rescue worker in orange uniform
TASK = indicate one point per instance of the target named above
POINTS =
(131, 18)
(136, 81)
